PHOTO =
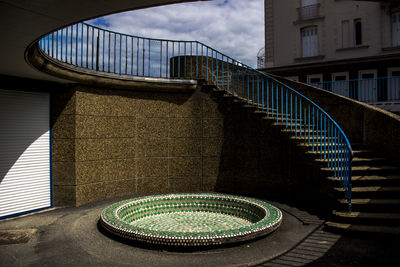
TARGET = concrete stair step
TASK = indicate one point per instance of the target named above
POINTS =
(330, 146)
(241, 99)
(328, 170)
(317, 138)
(326, 160)
(362, 153)
(362, 170)
(357, 146)
(249, 102)
(217, 93)
(228, 96)
(365, 192)
(303, 134)
(374, 189)
(371, 204)
(378, 218)
(360, 228)
(266, 114)
(277, 118)
(371, 180)
(251, 107)
(303, 130)
(301, 127)
(371, 201)
(371, 161)
(356, 160)
(317, 153)
(321, 147)
(330, 158)
(375, 180)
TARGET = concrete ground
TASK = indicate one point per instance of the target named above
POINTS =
(70, 237)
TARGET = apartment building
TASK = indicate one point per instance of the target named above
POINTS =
(347, 47)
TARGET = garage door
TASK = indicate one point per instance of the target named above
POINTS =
(25, 182)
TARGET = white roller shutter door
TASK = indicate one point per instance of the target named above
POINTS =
(25, 183)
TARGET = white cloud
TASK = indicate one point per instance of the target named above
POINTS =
(233, 27)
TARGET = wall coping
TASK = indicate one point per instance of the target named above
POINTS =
(44, 63)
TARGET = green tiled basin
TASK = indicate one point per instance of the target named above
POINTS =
(191, 219)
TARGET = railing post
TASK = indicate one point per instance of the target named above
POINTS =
(92, 46)
(82, 45)
(161, 42)
(149, 60)
(126, 54)
(97, 54)
(144, 52)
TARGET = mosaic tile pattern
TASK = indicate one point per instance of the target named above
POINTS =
(200, 219)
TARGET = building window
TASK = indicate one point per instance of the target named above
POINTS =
(309, 41)
(367, 86)
(309, 10)
(395, 73)
(308, 2)
(340, 83)
(315, 79)
(393, 84)
(357, 32)
(396, 29)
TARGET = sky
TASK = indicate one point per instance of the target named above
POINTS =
(233, 27)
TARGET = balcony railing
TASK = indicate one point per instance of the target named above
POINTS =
(308, 12)
(374, 90)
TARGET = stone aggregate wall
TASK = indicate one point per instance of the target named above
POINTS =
(120, 143)
(110, 143)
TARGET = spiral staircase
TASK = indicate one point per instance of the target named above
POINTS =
(365, 188)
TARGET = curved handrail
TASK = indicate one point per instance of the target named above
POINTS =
(93, 48)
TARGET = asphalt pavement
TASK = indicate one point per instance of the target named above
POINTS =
(72, 237)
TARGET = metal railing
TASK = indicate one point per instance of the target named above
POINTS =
(308, 12)
(373, 90)
(89, 47)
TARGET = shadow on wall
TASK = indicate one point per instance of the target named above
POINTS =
(258, 159)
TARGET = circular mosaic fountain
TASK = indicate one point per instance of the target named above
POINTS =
(191, 219)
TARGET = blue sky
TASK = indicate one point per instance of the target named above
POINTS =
(233, 27)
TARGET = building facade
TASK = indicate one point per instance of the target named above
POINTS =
(338, 45)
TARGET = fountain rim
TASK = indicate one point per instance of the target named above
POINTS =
(271, 220)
